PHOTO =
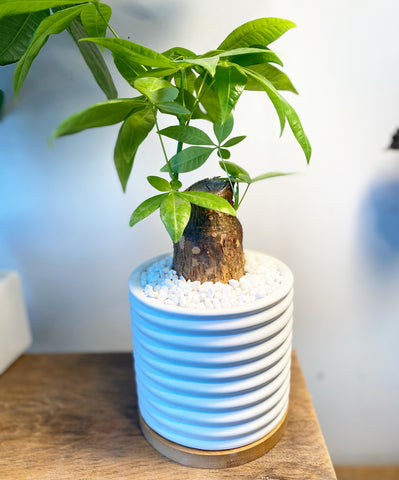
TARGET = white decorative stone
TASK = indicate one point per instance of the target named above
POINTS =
(15, 334)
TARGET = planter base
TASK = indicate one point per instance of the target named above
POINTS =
(193, 457)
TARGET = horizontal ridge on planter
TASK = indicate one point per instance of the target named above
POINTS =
(213, 380)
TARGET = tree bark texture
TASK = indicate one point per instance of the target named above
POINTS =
(211, 246)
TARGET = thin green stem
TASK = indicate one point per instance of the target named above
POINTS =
(172, 174)
(104, 19)
(234, 191)
(181, 121)
(201, 93)
(242, 198)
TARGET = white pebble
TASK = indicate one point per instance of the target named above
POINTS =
(262, 277)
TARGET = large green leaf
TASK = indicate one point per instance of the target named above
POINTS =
(279, 79)
(16, 33)
(187, 134)
(173, 108)
(98, 115)
(298, 131)
(209, 63)
(94, 60)
(129, 70)
(133, 52)
(230, 83)
(156, 90)
(242, 55)
(15, 7)
(210, 201)
(53, 24)
(260, 32)
(132, 133)
(146, 208)
(188, 159)
(283, 108)
(175, 214)
(208, 96)
(277, 100)
(94, 19)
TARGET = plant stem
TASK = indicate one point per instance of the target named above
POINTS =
(242, 198)
(235, 191)
(172, 174)
(105, 21)
(181, 121)
(201, 93)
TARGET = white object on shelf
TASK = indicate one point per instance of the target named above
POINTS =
(15, 334)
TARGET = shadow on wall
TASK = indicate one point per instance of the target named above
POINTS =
(380, 218)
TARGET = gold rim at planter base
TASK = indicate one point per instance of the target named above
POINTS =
(193, 457)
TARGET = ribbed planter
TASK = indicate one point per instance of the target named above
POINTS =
(213, 385)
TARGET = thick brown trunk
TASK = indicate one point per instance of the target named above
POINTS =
(211, 246)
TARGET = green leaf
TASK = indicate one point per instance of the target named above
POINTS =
(235, 171)
(276, 77)
(129, 70)
(298, 131)
(94, 60)
(133, 52)
(159, 183)
(146, 208)
(98, 115)
(93, 22)
(187, 134)
(191, 105)
(156, 90)
(230, 83)
(270, 175)
(53, 24)
(175, 184)
(15, 7)
(262, 31)
(175, 214)
(208, 96)
(284, 109)
(272, 93)
(234, 141)
(178, 53)
(16, 33)
(131, 135)
(242, 56)
(209, 63)
(223, 153)
(188, 159)
(173, 108)
(209, 200)
(223, 130)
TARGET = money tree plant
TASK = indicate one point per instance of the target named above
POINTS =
(186, 86)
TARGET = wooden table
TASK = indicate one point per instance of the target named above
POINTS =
(74, 416)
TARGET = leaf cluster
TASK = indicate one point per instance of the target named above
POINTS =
(177, 82)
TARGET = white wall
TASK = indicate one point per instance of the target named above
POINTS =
(64, 220)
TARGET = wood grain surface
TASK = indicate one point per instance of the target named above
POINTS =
(367, 472)
(74, 416)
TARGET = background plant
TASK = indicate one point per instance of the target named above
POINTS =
(177, 82)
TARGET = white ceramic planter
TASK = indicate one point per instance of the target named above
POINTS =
(15, 335)
(213, 379)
